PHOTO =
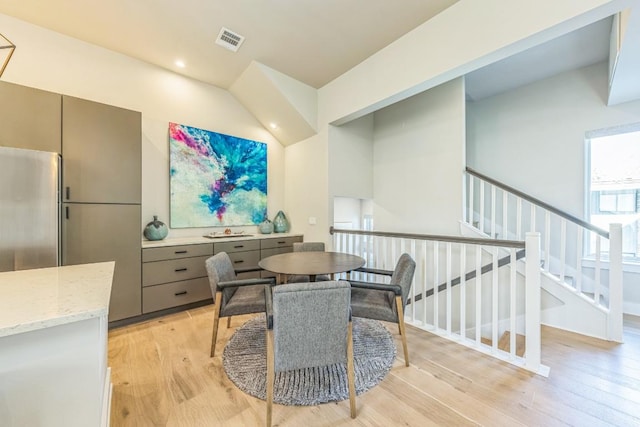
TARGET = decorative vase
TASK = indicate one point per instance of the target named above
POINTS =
(156, 229)
(266, 226)
(280, 223)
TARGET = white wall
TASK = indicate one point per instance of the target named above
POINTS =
(351, 159)
(306, 188)
(532, 138)
(418, 162)
(348, 210)
(47, 60)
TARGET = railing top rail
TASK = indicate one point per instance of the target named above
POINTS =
(540, 203)
(439, 238)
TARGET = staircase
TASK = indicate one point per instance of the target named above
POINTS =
(582, 285)
(482, 291)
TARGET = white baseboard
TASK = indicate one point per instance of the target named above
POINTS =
(632, 308)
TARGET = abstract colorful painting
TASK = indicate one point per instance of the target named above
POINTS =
(216, 179)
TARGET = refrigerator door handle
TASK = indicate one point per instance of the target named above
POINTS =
(66, 212)
(68, 192)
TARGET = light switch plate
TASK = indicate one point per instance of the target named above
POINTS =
(312, 220)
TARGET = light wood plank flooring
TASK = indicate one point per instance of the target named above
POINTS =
(163, 376)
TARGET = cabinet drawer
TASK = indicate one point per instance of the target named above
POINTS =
(175, 252)
(275, 251)
(230, 247)
(169, 295)
(250, 275)
(279, 242)
(248, 259)
(173, 270)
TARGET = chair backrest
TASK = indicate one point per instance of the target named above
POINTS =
(219, 269)
(308, 247)
(403, 275)
(310, 324)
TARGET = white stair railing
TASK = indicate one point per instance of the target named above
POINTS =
(577, 254)
(463, 289)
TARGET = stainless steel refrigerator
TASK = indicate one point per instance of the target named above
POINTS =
(29, 209)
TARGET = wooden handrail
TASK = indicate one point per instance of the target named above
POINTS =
(438, 238)
(540, 203)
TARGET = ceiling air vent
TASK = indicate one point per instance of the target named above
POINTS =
(230, 40)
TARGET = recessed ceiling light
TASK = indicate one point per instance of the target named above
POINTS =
(180, 63)
(273, 126)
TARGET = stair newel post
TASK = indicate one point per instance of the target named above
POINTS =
(532, 302)
(615, 283)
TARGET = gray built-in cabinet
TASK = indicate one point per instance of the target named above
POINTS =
(101, 185)
(30, 118)
(174, 275)
(101, 157)
(101, 151)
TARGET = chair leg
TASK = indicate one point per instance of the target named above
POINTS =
(350, 371)
(228, 322)
(216, 319)
(403, 335)
(270, 376)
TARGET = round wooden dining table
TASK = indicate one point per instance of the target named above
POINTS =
(310, 264)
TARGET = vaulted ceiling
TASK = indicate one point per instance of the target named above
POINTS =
(306, 43)
(309, 40)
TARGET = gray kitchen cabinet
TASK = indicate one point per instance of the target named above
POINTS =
(174, 275)
(101, 151)
(276, 246)
(30, 118)
(244, 255)
(102, 185)
(107, 232)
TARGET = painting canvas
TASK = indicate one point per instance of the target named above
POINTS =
(216, 180)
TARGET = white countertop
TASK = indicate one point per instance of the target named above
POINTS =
(175, 241)
(45, 297)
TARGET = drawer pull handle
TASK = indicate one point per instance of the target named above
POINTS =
(238, 261)
(180, 269)
(238, 246)
(180, 293)
(281, 243)
(180, 252)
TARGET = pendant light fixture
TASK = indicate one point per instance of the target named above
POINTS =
(6, 50)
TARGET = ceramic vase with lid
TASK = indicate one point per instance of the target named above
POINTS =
(280, 223)
(266, 226)
(156, 229)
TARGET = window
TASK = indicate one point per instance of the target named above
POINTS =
(614, 184)
(614, 202)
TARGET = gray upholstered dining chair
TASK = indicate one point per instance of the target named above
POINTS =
(232, 296)
(309, 326)
(307, 247)
(383, 301)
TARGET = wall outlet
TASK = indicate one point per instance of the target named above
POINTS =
(312, 220)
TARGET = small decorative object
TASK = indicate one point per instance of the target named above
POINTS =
(156, 229)
(280, 223)
(227, 231)
(266, 226)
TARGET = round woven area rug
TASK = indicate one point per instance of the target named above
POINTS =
(245, 362)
